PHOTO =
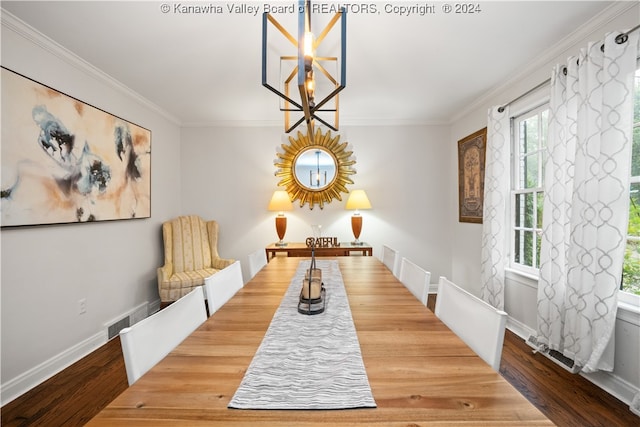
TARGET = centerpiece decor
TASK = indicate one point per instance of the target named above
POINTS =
(313, 293)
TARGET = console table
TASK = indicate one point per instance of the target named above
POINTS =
(302, 250)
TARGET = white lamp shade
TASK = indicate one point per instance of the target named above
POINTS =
(280, 201)
(358, 200)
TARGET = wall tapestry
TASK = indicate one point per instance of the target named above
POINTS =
(66, 161)
(471, 158)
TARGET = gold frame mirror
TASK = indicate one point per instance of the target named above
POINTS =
(327, 149)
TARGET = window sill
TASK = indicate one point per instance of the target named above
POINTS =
(629, 308)
(527, 279)
(628, 304)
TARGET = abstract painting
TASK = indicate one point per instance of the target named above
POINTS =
(64, 161)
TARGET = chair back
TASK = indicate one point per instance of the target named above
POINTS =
(416, 279)
(188, 243)
(150, 340)
(477, 323)
(222, 286)
(391, 258)
(257, 260)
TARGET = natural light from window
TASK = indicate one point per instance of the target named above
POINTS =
(631, 269)
(530, 135)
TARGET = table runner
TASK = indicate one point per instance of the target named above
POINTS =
(308, 362)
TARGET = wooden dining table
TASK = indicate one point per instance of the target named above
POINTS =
(419, 371)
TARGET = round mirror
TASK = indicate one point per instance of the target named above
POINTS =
(315, 170)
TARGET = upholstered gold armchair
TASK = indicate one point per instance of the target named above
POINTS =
(190, 255)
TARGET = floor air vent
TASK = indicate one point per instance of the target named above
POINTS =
(115, 328)
(554, 355)
(138, 313)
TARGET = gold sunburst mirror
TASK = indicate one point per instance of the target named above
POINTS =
(315, 171)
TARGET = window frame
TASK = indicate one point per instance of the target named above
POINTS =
(624, 295)
(516, 170)
(628, 303)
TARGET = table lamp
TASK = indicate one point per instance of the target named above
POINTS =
(357, 200)
(280, 202)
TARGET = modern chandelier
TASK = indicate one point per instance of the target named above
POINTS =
(319, 75)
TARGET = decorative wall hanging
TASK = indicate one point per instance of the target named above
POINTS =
(65, 161)
(471, 157)
(315, 172)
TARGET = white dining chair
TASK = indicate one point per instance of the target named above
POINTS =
(257, 260)
(222, 286)
(476, 322)
(391, 258)
(147, 342)
(416, 279)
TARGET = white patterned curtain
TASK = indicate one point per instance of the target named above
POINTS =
(494, 214)
(586, 201)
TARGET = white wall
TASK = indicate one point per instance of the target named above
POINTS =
(47, 269)
(228, 175)
(520, 292)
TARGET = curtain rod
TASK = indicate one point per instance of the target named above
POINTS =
(622, 38)
(546, 82)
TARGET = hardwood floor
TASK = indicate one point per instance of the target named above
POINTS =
(75, 395)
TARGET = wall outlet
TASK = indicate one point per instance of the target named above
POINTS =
(82, 306)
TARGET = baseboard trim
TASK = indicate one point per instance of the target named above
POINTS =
(607, 381)
(519, 328)
(154, 307)
(614, 385)
(47, 369)
(26, 381)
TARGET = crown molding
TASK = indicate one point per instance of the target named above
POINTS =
(13, 23)
(18, 26)
(343, 123)
(233, 124)
(376, 122)
(610, 13)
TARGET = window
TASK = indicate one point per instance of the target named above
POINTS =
(530, 139)
(529, 143)
(631, 268)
